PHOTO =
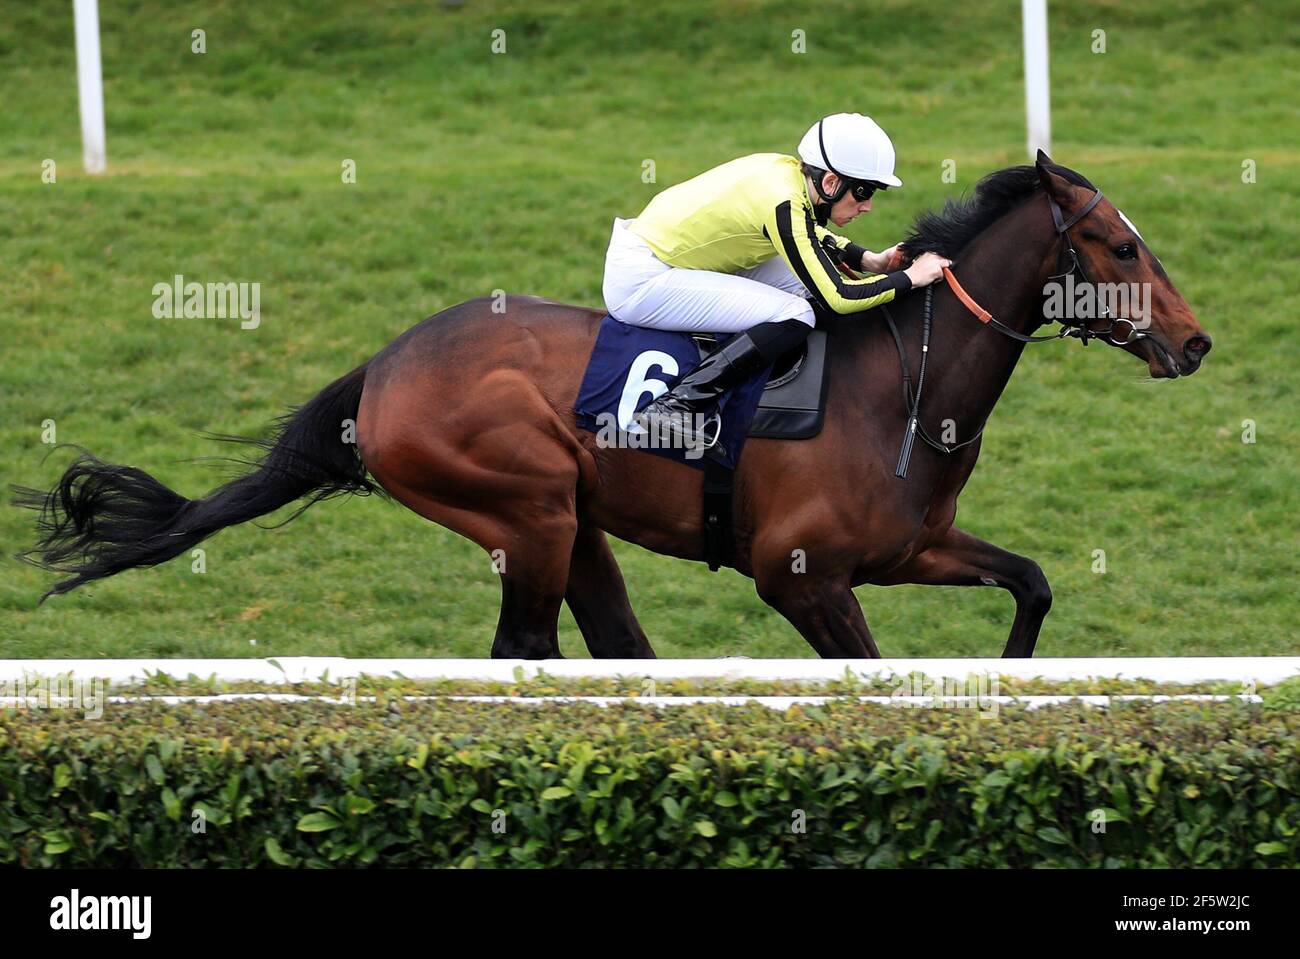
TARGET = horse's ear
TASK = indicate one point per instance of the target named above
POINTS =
(1041, 163)
(1056, 186)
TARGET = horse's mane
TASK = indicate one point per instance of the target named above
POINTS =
(948, 231)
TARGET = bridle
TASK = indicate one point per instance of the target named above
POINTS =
(1082, 330)
(1078, 328)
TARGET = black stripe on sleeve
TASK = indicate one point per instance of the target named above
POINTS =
(848, 291)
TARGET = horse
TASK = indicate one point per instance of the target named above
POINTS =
(467, 419)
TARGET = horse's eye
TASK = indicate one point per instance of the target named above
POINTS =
(1127, 251)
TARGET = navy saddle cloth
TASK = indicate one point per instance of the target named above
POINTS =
(631, 366)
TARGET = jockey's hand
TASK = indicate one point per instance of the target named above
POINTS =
(927, 268)
(886, 261)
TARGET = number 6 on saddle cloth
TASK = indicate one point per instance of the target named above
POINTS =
(631, 366)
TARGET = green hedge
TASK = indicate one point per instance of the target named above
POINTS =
(433, 784)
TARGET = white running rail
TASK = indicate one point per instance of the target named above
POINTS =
(1261, 670)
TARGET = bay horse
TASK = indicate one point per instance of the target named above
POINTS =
(467, 419)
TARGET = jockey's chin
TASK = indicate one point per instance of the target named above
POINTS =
(847, 209)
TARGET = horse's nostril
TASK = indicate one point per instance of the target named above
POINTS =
(1197, 346)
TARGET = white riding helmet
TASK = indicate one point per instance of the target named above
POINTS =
(850, 145)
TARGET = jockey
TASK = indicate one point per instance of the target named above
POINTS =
(744, 247)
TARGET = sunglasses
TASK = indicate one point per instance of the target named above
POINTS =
(864, 191)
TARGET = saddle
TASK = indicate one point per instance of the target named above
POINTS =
(793, 404)
(790, 405)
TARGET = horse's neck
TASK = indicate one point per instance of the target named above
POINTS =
(1003, 270)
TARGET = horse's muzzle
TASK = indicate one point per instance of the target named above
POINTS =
(1194, 349)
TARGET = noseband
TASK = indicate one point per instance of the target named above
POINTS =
(1077, 328)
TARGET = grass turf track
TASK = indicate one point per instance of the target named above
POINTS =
(479, 171)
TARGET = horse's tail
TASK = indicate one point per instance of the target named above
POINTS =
(101, 519)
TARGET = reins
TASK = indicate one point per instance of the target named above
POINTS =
(984, 316)
(1080, 329)
(913, 400)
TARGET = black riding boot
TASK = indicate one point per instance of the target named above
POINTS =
(681, 408)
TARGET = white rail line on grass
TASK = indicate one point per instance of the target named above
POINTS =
(1263, 670)
(772, 702)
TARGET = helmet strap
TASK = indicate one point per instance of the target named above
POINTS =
(844, 181)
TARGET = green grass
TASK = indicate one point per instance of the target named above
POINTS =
(478, 171)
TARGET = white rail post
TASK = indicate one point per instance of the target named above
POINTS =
(90, 85)
(1038, 99)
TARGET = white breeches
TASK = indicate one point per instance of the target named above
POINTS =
(642, 290)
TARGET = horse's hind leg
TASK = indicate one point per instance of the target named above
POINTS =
(497, 467)
(598, 600)
(534, 573)
(529, 547)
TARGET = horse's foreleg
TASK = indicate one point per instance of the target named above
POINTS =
(960, 559)
(598, 600)
(825, 612)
